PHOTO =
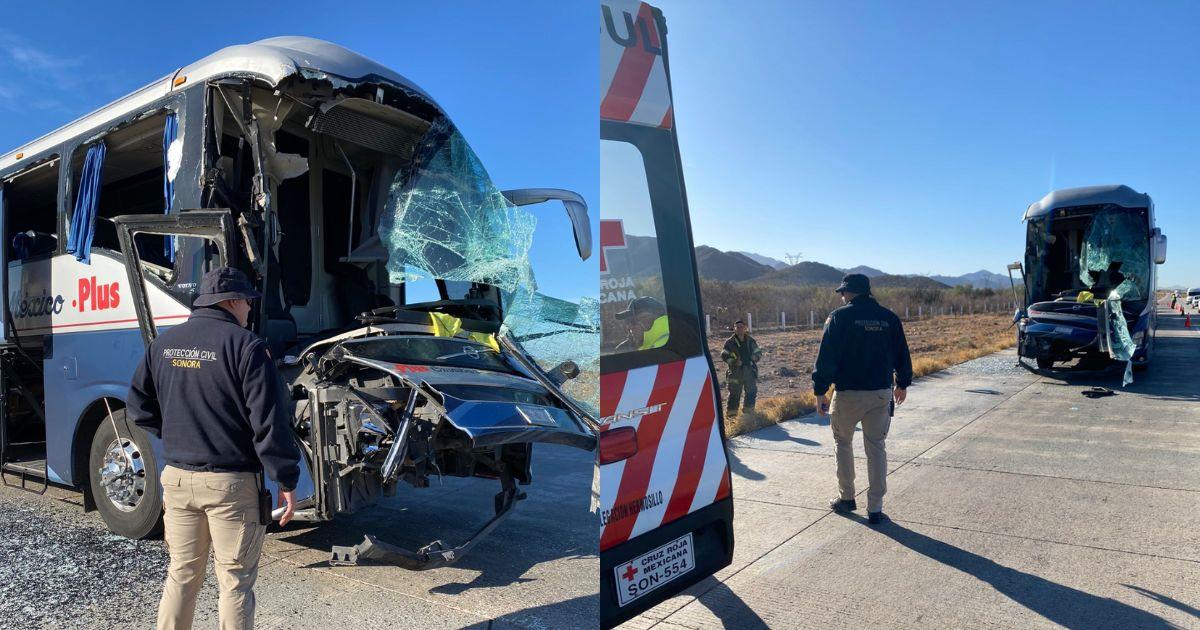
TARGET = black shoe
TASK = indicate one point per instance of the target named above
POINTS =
(876, 518)
(842, 506)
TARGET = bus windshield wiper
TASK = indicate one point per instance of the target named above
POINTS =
(468, 351)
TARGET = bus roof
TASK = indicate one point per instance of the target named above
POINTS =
(271, 60)
(1116, 194)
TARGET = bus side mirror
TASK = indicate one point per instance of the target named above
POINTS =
(1160, 247)
(576, 207)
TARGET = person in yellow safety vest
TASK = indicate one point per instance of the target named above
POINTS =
(647, 322)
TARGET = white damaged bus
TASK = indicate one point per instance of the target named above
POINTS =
(336, 184)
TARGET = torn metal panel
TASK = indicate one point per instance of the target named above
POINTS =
(476, 390)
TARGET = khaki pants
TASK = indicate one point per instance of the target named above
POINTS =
(847, 410)
(206, 509)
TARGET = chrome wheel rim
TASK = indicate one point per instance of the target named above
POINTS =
(123, 475)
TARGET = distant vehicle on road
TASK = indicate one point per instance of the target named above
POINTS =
(1089, 277)
(1193, 296)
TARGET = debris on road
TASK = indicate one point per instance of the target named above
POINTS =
(58, 571)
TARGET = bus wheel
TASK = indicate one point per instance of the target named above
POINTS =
(123, 475)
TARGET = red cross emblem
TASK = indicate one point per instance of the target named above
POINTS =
(612, 235)
(629, 573)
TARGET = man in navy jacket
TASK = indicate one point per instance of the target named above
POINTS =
(864, 356)
(209, 390)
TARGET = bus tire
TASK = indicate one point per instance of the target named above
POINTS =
(136, 509)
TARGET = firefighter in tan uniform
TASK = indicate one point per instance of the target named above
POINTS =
(864, 356)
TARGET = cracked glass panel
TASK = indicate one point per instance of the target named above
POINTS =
(446, 219)
(1116, 255)
(552, 331)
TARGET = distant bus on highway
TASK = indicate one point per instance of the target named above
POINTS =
(1090, 256)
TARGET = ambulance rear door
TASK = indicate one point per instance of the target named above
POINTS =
(666, 506)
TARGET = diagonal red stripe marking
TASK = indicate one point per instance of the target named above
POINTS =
(668, 118)
(636, 476)
(695, 449)
(612, 386)
(723, 489)
(629, 81)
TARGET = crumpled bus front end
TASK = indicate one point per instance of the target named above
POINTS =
(1089, 282)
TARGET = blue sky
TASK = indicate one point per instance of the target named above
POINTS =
(910, 136)
(519, 79)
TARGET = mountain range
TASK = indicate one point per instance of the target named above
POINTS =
(982, 279)
(639, 256)
(774, 263)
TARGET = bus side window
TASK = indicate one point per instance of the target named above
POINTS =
(31, 203)
(131, 182)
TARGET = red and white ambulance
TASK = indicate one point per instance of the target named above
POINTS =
(666, 506)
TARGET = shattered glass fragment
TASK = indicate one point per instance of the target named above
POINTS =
(552, 331)
(1116, 254)
(446, 219)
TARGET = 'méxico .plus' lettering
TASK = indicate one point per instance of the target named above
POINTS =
(93, 297)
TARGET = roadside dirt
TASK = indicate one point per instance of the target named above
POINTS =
(788, 357)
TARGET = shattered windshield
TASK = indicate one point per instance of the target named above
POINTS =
(1097, 249)
(1115, 256)
(445, 219)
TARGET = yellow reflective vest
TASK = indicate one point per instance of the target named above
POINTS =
(657, 336)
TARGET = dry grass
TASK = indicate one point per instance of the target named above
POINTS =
(936, 344)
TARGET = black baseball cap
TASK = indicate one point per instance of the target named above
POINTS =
(644, 304)
(225, 283)
(855, 283)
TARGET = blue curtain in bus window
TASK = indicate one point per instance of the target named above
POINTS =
(170, 133)
(87, 200)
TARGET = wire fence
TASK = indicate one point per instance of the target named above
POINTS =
(802, 319)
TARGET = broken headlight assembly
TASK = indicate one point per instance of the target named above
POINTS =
(369, 435)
